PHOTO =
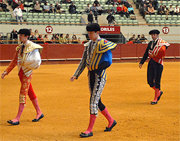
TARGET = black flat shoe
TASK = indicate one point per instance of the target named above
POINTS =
(153, 103)
(13, 123)
(160, 96)
(108, 129)
(36, 120)
(84, 135)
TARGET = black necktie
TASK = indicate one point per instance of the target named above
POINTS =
(22, 49)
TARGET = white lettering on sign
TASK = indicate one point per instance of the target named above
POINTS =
(107, 29)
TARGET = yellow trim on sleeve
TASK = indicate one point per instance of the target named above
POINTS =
(98, 61)
(32, 46)
(94, 61)
(109, 48)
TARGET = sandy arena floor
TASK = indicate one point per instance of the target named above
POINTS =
(65, 105)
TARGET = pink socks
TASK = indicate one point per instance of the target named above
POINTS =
(157, 94)
(91, 124)
(36, 106)
(21, 108)
(108, 117)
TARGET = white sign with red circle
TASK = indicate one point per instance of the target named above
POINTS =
(165, 30)
(49, 29)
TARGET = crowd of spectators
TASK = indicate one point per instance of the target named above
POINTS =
(94, 11)
(60, 38)
(46, 39)
(147, 6)
(13, 37)
(37, 6)
(44, 6)
(123, 10)
(3, 6)
(121, 7)
(151, 7)
(65, 39)
(137, 40)
(164, 10)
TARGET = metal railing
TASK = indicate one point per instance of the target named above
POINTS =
(119, 24)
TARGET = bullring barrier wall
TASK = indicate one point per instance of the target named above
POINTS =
(73, 52)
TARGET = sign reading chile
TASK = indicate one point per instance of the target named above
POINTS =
(110, 30)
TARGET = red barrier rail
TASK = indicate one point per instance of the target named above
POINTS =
(74, 51)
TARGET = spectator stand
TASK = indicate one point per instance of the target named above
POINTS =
(55, 38)
(157, 19)
(65, 18)
(31, 17)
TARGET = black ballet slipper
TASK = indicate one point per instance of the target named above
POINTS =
(160, 96)
(154, 102)
(36, 120)
(84, 135)
(108, 129)
(13, 123)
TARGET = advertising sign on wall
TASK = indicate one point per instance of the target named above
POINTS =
(110, 30)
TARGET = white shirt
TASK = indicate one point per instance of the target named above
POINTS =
(171, 9)
(17, 12)
(46, 7)
(27, 42)
(176, 10)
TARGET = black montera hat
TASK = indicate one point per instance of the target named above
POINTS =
(93, 27)
(24, 31)
(154, 31)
